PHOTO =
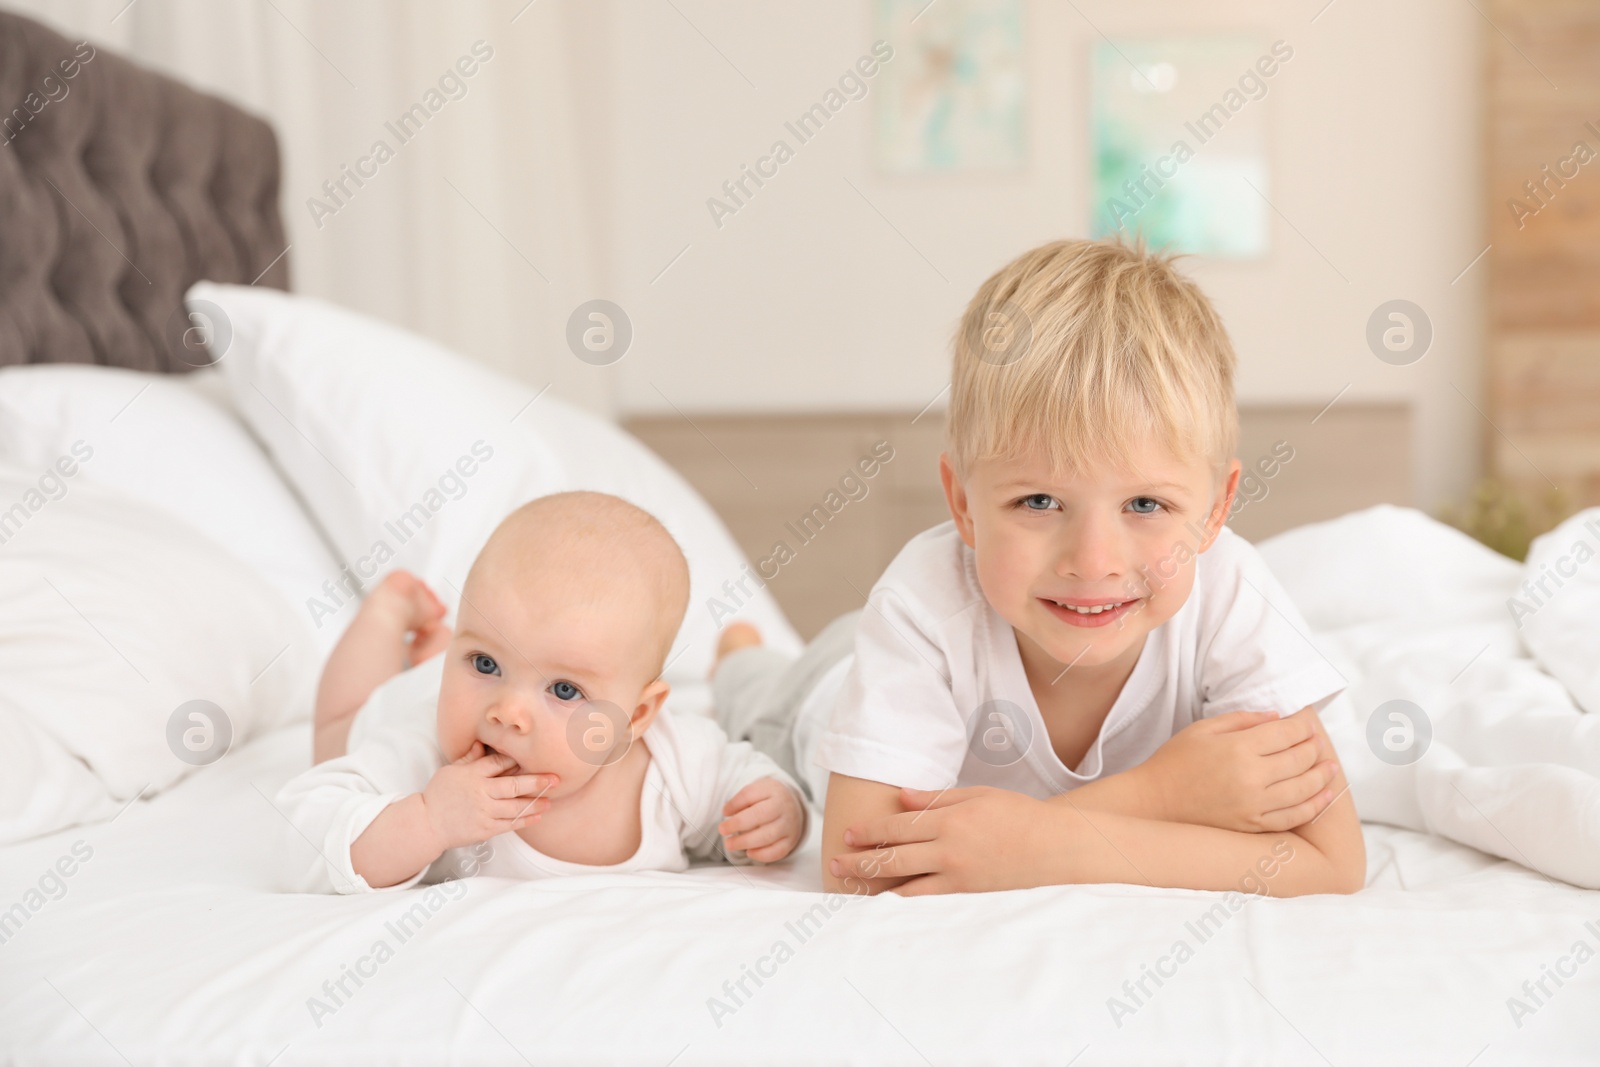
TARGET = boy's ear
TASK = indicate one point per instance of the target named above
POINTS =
(1224, 506)
(650, 701)
(955, 495)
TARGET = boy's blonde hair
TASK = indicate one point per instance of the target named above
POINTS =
(1079, 350)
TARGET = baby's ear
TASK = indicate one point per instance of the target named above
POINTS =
(650, 701)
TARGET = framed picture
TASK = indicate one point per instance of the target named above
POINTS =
(952, 97)
(1179, 138)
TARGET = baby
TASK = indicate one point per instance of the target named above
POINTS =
(512, 754)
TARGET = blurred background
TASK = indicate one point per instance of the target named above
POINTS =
(1390, 205)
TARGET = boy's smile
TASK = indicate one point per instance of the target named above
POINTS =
(1089, 612)
(1084, 567)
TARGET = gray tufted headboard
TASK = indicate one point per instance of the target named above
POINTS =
(119, 188)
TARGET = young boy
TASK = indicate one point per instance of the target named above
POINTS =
(1085, 676)
(520, 735)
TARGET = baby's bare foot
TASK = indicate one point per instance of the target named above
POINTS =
(735, 635)
(407, 605)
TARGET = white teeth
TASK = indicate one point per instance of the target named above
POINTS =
(1097, 609)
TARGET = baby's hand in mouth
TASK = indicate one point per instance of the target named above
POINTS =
(512, 767)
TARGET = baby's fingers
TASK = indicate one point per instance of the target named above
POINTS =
(750, 794)
(757, 814)
(476, 752)
(489, 764)
(517, 808)
(774, 852)
(504, 787)
(766, 834)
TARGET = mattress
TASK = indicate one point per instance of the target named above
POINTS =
(170, 943)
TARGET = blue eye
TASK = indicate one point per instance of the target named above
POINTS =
(1039, 502)
(1154, 504)
(485, 664)
(565, 691)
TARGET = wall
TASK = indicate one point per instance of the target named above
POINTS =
(591, 144)
(818, 295)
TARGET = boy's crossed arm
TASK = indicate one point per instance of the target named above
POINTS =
(1239, 801)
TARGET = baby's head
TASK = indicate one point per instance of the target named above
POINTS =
(1091, 443)
(564, 626)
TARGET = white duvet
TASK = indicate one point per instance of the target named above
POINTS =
(169, 943)
(1423, 620)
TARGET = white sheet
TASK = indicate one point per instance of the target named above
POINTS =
(170, 945)
(1410, 609)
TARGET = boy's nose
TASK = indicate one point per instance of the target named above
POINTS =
(1093, 549)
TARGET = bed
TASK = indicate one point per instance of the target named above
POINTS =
(250, 455)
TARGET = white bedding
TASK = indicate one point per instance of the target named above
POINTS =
(164, 936)
(170, 946)
(1411, 610)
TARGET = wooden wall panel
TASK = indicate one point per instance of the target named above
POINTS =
(762, 473)
(1542, 100)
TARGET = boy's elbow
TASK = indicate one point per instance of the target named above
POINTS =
(1353, 869)
(1343, 874)
(1341, 869)
(1352, 876)
(1331, 881)
(1343, 883)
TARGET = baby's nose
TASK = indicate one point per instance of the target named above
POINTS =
(512, 713)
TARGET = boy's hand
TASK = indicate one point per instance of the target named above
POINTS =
(972, 840)
(764, 820)
(406, 604)
(473, 799)
(1248, 771)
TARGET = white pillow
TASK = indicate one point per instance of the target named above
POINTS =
(43, 787)
(1559, 622)
(1429, 573)
(117, 617)
(372, 423)
(159, 438)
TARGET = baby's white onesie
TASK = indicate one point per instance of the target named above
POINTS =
(394, 750)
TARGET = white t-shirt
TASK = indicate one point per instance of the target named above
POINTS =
(937, 696)
(394, 750)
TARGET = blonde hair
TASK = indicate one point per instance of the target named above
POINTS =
(1079, 351)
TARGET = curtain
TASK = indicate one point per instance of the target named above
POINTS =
(478, 222)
